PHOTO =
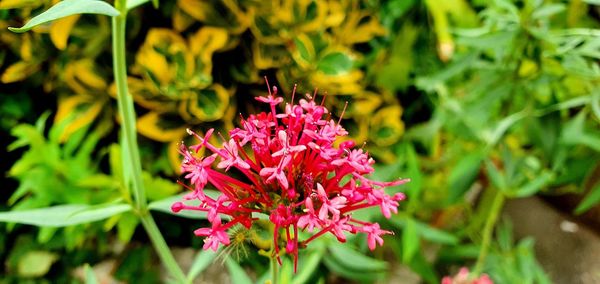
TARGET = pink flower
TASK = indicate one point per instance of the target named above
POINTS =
(462, 277)
(215, 235)
(374, 234)
(293, 172)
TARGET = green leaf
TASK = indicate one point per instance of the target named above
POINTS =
(590, 200)
(237, 273)
(547, 11)
(90, 277)
(426, 231)
(533, 186)
(126, 226)
(67, 8)
(463, 175)
(410, 241)
(348, 273)
(574, 132)
(354, 260)
(416, 178)
(35, 263)
(336, 63)
(134, 3)
(496, 177)
(158, 188)
(307, 265)
(593, 2)
(201, 262)
(63, 215)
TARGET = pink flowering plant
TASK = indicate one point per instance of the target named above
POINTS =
(292, 166)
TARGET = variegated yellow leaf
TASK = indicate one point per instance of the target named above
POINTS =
(387, 126)
(269, 56)
(365, 104)
(25, 48)
(160, 47)
(336, 14)
(18, 72)
(205, 42)
(317, 19)
(61, 29)
(304, 51)
(18, 4)
(157, 126)
(206, 105)
(181, 20)
(346, 84)
(145, 94)
(81, 109)
(198, 9)
(81, 77)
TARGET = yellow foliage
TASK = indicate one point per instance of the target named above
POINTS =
(154, 127)
(61, 29)
(18, 72)
(81, 77)
(81, 109)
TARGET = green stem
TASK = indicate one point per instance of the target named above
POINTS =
(274, 270)
(488, 231)
(162, 249)
(126, 110)
(129, 144)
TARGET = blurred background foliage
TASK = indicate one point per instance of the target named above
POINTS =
(478, 102)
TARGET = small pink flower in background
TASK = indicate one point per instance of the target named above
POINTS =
(291, 172)
(462, 277)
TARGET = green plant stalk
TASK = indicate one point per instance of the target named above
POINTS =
(129, 143)
(126, 109)
(488, 231)
(274, 270)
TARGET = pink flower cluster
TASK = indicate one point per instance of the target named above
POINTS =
(289, 169)
(462, 277)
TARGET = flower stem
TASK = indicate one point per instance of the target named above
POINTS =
(488, 231)
(129, 144)
(274, 270)
(126, 110)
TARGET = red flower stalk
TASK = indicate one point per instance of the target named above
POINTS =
(293, 173)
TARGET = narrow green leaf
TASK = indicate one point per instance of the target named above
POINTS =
(349, 273)
(67, 8)
(354, 260)
(547, 11)
(533, 186)
(414, 172)
(201, 262)
(496, 177)
(237, 273)
(590, 200)
(410, 241)
(63, 215)
(463, 175)
(427, 232)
